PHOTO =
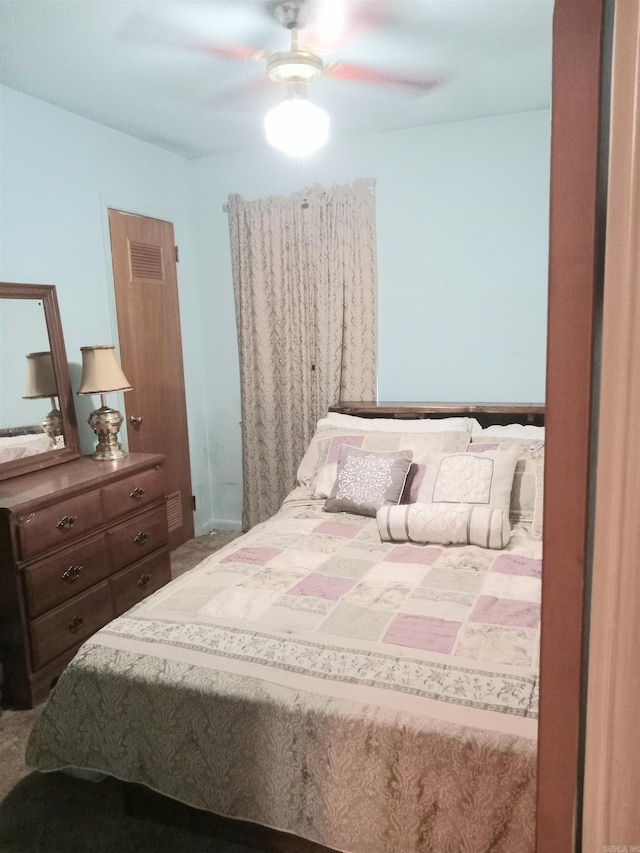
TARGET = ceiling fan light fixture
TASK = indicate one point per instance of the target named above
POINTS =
(296, 66)
(297, 127)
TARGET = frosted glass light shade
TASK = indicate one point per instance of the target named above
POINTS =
(101, 372)
(41, 377)
(297, 127)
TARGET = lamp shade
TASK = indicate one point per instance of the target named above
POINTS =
(41, 377)
(101, 372)
(297, 127)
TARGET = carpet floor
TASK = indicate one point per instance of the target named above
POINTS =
(55, 813)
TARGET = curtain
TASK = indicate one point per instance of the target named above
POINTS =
(305, 287)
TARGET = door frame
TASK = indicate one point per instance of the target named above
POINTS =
(612, 765)
(577, 210)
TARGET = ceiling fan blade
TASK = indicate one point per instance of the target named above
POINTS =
(357, 74)
(229, 51)
(334, 23)
(244, 94)
(160, 33)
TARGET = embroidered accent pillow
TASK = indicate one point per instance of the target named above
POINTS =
(482, 478)
(367, 480)
(445, 524)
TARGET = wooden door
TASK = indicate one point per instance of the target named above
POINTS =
(146, 289)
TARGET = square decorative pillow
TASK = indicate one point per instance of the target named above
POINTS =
(473, 478)
(530, 453)
(367, 480)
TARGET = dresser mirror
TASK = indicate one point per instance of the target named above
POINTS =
(37, 417)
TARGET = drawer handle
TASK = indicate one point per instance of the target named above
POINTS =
(141, 538)
(137, 494)
(76, 623)
(71, 574)
(66, 522)
(143, 581)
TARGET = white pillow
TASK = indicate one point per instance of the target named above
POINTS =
(513, 431)
(334, 419)
(476, 478)
(444, 524)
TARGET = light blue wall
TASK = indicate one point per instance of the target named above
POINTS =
(462, 222)
(462, 214)
(59, 175)
(23, 330)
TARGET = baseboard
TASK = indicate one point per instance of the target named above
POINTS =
(219, 524)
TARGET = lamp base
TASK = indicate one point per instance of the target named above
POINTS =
(106, 423)
(52, 424)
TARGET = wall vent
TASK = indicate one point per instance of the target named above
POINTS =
(145, 262)
(174, 511)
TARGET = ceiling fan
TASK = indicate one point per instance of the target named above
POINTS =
(296, 125)
(317, 28)
(303, 62)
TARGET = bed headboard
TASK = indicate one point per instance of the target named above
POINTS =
(485, 413)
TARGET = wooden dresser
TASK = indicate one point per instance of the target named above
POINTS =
(80, 543)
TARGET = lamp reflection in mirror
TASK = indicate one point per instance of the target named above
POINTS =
(101, 374)
(297, 127)
(41, 382)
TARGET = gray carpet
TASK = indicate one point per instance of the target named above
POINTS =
(55, 813)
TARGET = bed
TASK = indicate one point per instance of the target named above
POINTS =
(358, 674)
(20, 442)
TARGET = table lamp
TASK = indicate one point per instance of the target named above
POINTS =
(101, 374)
(41, 382)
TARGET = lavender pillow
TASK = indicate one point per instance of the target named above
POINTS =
(367, 480)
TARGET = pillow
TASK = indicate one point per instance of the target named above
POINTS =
(523, 492)
(536, 527)
(366, 480)
(445, 524)
(400, 424)
(512, 431)
(476, 478)
(318, 468)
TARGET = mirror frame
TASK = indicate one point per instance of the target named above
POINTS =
(46, 293)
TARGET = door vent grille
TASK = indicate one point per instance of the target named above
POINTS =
(145, 261)
(174, 511)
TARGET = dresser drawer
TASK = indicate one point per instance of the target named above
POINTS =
(56, 579)
(131, 585)
(71, 624)
(132, 540)
(57, 525)
(133, 493)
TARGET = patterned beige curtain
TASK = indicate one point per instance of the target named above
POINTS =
(304, 274)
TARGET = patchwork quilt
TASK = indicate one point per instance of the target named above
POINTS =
(374, 697)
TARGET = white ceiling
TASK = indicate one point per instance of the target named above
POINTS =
(142, 66)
